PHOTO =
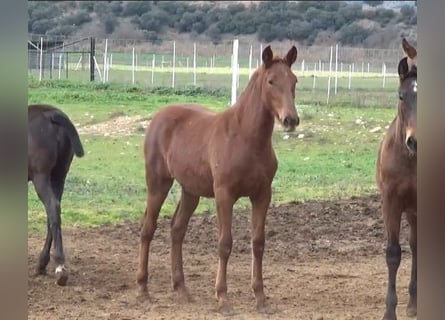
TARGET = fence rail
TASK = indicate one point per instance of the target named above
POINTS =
(183, 64)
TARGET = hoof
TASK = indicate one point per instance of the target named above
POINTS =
(183, 296)
(411, 311)
(40, 271)
(265, 309)
(226, 309)
(142, 296)
(389, 316)
(61, 275)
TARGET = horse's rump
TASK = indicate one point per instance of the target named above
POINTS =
(60, 119)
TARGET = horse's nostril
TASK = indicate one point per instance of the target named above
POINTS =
(290, 122)
(297, 121)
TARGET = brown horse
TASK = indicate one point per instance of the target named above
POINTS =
(52, 143)
(226, 156)
(397, 180)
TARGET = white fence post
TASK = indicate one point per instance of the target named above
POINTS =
(60, 65)
(174, 63)
(384, 74)
(250, 62)
(41, 59)
(315, 75)
(350, 76)
(234, 70)
(194, 64)
(336, 68)
(329, 77)
(153, 63)
(261, 52)
(132, 69)
(105, 61)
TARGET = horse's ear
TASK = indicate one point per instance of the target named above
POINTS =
(267, 56)
(403, 68)
(410, 51)
(291, 56)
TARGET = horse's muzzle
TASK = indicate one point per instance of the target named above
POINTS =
(290, 123)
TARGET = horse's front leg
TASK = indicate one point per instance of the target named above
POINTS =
(392, 213)
(412, 304)
(224, 206)
(260, 205)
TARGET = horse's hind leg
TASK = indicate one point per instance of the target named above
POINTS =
(392, 213)
(45, 254)
(180, 220)
(51, 202)
(157, 192)
(260, 205)
(58, 185)
(412, 304)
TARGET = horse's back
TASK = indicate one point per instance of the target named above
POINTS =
(180, 113)
(178, 121)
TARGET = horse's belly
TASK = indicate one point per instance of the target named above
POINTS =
(198, 185)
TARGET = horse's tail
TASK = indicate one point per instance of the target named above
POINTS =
(62, 119)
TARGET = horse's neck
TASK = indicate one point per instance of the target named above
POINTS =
(397, 138)
(255, 120)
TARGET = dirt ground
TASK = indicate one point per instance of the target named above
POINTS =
(323, 260)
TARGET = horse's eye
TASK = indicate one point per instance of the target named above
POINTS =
(270, 82)
(400, 97)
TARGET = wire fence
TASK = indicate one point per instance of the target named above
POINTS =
(184, 64)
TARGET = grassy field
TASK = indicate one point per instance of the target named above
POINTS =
(330, 155)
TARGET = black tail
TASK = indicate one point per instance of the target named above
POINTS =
(62, 119)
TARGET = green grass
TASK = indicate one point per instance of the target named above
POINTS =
(334, 159)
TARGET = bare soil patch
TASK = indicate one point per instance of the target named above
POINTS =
(323, 260)
(116, 126)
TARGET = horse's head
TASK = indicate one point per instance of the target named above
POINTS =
(278, 85)
(407, 109)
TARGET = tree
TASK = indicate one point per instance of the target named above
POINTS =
(353, 34)
(407, 13)
(110, 24)
(373, 3)
(87, 5)
(384, 16)
(214, 34)
(137, 8)
(116, 8)
(267, 32)
(42, 26)
(153, 37)
(78, 18)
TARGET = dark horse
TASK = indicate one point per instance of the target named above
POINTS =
(397, 180)
(52, 143)
(226, 156)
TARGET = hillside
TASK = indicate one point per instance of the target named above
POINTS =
(308, 23)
